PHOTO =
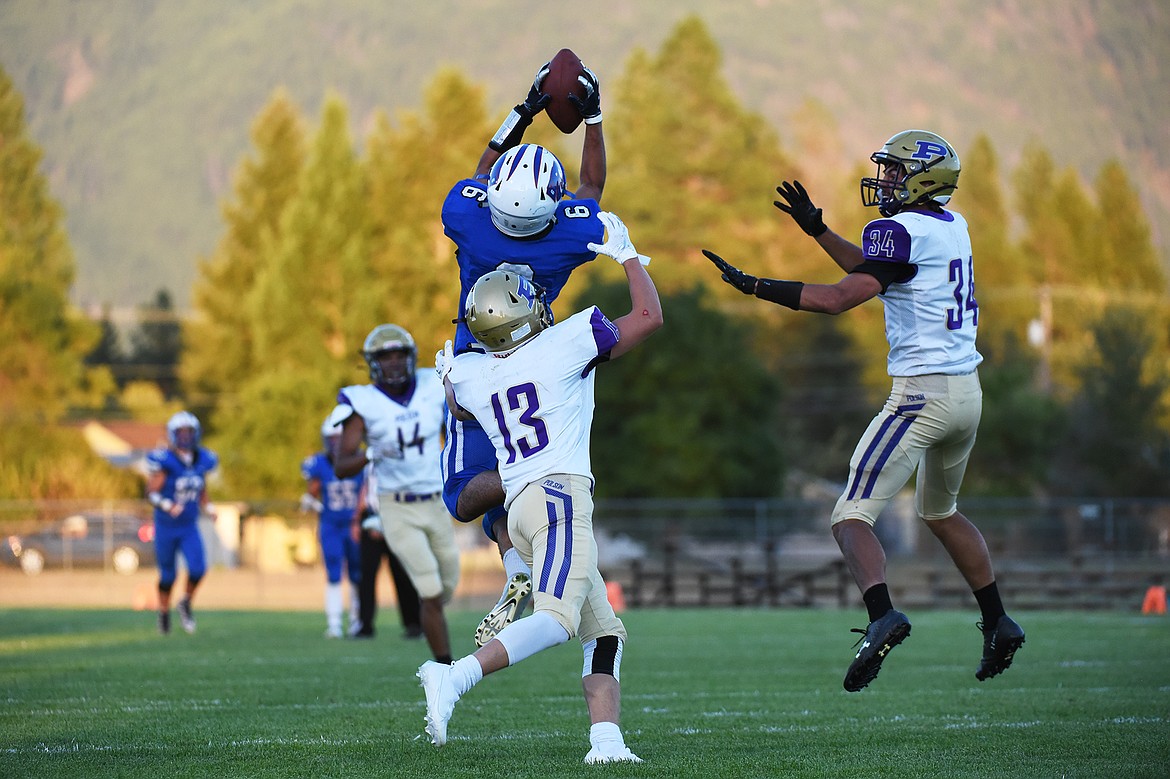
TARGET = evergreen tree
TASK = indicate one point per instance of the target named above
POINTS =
(690, 167)
(690, 413)
(156, 345)
(219, 338)
(1118, 446)
(42, 340)
(410, 170)
(305, 328)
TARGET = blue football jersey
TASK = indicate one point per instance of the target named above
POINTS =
(547, 259)
(339, 497)
(184, 484)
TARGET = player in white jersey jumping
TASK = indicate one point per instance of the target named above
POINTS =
(532, 392)
(917, 260)
(400, 417)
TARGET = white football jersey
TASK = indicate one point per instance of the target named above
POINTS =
(412, 428)
(932, 317)
(536, 404)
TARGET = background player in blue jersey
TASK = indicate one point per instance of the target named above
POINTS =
(513, 214)
(177, 488)
(917, 259)
(336, 502)
(533, 392)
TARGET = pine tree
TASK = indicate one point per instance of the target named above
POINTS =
(42, 340)
(219, 338)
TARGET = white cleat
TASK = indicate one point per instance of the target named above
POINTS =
(517, 595)
(435, 679)
(186, 618)
(622, 755)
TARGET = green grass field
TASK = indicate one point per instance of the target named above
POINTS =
(707, 693)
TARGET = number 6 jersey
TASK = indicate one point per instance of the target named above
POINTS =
(536, 403)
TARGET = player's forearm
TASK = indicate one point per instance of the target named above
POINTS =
(845, 253)
(593, 164)
(645, 309)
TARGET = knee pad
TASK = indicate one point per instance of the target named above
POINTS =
(165, 587)
(603, 656)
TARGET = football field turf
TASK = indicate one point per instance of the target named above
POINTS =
(706, 693)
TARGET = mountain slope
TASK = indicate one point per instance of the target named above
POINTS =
(143, 108)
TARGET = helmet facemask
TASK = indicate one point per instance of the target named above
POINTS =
(385, 339)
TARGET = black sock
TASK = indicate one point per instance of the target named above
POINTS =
(989, 604)
(877, 601)
(444, 659)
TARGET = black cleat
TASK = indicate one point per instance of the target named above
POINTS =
(999, 647)
(164, 622)
(882, 635)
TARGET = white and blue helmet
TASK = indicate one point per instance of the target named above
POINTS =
(177, 431)
(524, 188)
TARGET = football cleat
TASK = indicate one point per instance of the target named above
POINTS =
(185, 615)
(517, 595)
(882, 635)
(1000, 643)
(621, 755)
(435, 679)
(164, 622)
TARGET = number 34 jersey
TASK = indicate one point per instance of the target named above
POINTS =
(536, 404)
(931, 316)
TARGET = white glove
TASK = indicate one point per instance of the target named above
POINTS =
(383, 452)
(617, 240)
(309, 503)
(443, 359)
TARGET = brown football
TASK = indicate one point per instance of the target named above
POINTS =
(561, 80)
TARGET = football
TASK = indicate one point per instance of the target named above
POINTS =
(561, 80)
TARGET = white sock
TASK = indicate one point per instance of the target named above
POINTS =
(354, 604)
(333, 606)
(513, 564)
(606, 736)
(466, 673)
(535, 633)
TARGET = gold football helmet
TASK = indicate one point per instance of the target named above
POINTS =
(504, 310)
(389, 338)
(929, 171)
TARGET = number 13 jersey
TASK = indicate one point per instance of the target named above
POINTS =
(536, 404)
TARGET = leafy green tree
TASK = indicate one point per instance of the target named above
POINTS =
(219, 338)
(1021, 427)
(303, 323)
(43, 342)
(1118, 445)
(690, 166)
(410, 169)
(689, 413)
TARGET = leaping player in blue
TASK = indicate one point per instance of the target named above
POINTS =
(177, 488)
(335, 500)
(917, 259)
(514, 215)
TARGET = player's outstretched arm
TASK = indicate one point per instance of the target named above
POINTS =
(593, 164)
(645, 307)
(798, 205)
(512, 129)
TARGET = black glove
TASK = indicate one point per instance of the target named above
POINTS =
(589, 106)
(800, 208)
(512, 130)
(536, 101)
(733, 275)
